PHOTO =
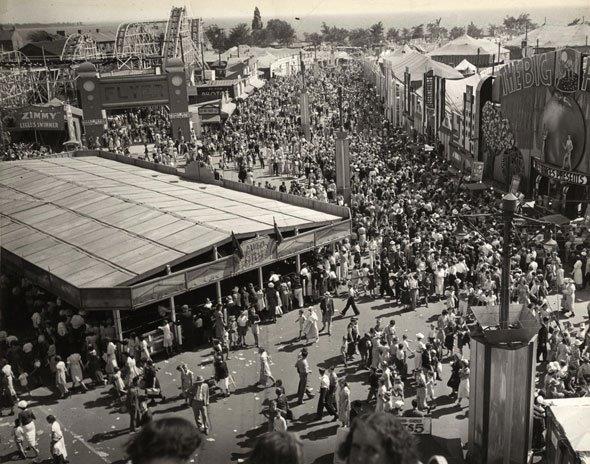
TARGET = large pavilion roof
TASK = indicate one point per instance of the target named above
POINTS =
(95, 222)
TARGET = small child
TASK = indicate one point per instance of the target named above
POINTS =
(225, 344)
(430, 388)
(19, 438)
(279, 385)
(232, 330)
(398, 387)
(301, 319)
(279, 424)
(344, 350)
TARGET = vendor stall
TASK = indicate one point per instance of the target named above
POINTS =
(54, 124)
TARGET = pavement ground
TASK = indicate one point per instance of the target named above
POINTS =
(96, 429)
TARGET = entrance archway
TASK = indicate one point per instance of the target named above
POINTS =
(101, 93)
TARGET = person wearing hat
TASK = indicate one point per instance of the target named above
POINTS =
(187, 378)
(327, 307)
(26, 419)
(303, 370)
(200, 404)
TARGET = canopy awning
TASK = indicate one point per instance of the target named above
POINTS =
(558, 219)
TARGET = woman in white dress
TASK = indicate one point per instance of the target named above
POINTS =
(60, 376)
(57, 446)
(463, 383)
(132, 369)
(440, 275)
(167, 331)
(311, 327)
(265, 373)
(75, 364)
(111, 358)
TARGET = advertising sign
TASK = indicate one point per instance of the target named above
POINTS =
(515, 184)
(39, 118)
(417, 425)
(137, 93)
(561, 175)
(429, 89)
(257, 252)
(477, 171)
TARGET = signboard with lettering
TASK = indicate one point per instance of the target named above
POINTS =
(569, 177)
(257, 252)
(40, 118)
(562, 69)
(157, 290)
(429, 89)
(209, 110)
(417, 425)
(477, 171)
(149, 91)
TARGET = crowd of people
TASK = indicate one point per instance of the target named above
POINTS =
(415, 241)
(22, 150)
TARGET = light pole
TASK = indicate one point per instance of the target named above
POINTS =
(509, 202)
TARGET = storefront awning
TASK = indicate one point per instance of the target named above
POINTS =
(558, 219)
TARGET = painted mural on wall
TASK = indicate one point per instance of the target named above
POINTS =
(546, 100)
(500, 153)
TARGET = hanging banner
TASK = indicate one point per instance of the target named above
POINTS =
(569, 177)
(429, 89)
(257, 252)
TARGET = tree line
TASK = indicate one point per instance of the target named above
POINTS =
(280, 32)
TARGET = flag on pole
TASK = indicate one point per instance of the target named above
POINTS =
(278, 234)
(237, 247)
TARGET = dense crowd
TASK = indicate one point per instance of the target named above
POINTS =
(21, 150)
(416, 240)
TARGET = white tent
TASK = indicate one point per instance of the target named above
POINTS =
(466, 68)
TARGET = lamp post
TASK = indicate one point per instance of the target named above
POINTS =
(509, 202)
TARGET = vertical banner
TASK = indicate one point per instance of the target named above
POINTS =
(407, 91)
(70, 123)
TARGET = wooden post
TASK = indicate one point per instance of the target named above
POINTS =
(297, 257)
(260, 278)
(118, 326)
(173, 313)
(218, 283)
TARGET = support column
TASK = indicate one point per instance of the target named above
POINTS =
(297, 257)
(218, 283)
(118, 325)
(173, 314)
(260, 278)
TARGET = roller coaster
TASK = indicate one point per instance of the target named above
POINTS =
(138, 45)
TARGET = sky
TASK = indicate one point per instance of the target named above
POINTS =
(46, 11)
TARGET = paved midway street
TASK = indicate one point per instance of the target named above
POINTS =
(97, 430)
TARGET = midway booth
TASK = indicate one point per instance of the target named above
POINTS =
(105, 232)
(55, 124)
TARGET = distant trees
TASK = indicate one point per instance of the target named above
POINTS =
(216, 36)
(518, 25)
(456, 32)
(474, 31)
(238, 35)
(314, 38)
(360, 37)
(418, 31)
(435, 30)
(393, 34)
(334, 34)
(257, 20)
(280, 31)
(376, 31)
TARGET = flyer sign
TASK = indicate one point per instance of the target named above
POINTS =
(477, 171)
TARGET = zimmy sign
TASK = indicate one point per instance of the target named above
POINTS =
(40, 119)
(562, 69)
